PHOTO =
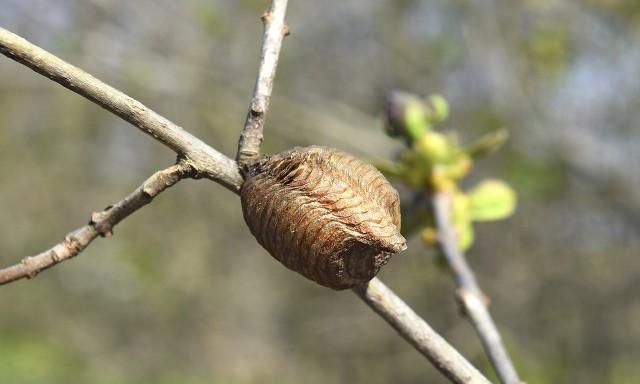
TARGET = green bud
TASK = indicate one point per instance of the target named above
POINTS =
(415, 120)
(460, 167)
(429, 237)
(460, 209)
(438, 109)
(411, 117)
(464, 236)
(492, 200)
(435, 147)
(405, 115)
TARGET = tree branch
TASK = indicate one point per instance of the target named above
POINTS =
(101, 224)
(205, 160)
(473, 301)
(197, 159)
(418, 333)
(275, 30)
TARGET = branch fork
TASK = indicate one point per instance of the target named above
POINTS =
(196, 160)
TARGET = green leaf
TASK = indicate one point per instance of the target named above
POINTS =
(492, 200)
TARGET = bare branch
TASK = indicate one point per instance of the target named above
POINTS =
(207, 161)
(275, 30)
(101, 224)
(200, 160)
(473, 301)
(417, 332)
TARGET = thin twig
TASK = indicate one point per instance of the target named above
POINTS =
(275, 30)
(207, 161)
(199, 159)
(473, 301)
(101, 224)
(418, 333)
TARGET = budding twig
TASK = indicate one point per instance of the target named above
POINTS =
(200, 160)
(473, 301)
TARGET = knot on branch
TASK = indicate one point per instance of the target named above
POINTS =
(55, 258)
(266, 17)
(258, 107)
(73, 244)
(469, 298)
(27, 261)
(99, 221)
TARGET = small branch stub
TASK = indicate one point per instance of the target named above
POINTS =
(323, 213)
(275, 30)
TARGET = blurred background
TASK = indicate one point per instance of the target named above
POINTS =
(183, 294)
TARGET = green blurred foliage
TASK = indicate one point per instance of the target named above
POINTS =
(209, 17)
(436, 163)
(629, 10)
(536, 178)
(26, 359)
(547, 49)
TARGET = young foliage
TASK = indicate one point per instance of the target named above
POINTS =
(436, 161)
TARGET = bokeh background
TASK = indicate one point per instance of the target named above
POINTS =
(183, 294)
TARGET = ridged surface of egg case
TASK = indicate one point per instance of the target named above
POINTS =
(323, 213)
